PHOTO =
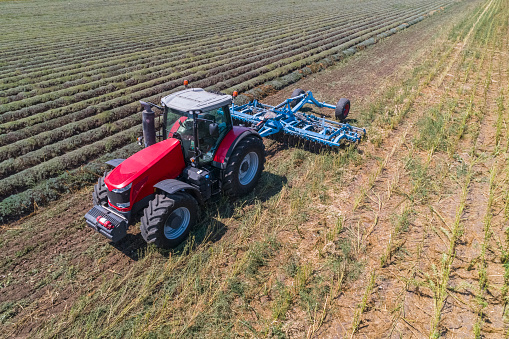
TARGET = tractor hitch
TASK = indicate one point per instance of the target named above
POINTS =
(108, 223)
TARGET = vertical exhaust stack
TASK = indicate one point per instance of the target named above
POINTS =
(148, 123)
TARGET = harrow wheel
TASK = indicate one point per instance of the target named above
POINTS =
(342, 109)
(244, 167)
(167, 220)
(100, 195)
(296, 92)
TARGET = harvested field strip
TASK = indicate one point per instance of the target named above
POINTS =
(452, 244)
(474, 133)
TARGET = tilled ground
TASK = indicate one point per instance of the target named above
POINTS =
(424, 207)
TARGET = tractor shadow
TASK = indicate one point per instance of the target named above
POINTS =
(209, 227)
(133, 245)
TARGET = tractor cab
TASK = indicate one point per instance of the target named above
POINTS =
(199, 154)
(199, 119)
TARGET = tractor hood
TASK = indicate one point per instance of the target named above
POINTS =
(163, 160)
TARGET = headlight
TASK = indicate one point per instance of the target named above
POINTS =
(125, 205)
(122, 190)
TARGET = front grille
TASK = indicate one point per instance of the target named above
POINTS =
(119, 198)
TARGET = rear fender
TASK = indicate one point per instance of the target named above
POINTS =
(229, 143)
(171, 186)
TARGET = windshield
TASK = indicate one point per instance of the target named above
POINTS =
(182, 123)
(175, 120)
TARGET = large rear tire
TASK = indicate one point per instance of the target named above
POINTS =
(168, 219)
(100, 195)
(244, 167)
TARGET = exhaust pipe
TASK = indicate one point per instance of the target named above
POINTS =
(148, 123)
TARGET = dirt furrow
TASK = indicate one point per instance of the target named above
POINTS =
(377, 200)
(385, 282)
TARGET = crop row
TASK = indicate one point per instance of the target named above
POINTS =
(82, 58)
(234, 67)
(30, 144)
(30, 110)
(111, 59)
(146, 63)
(52, 168)
(28, 177)
(187, 32)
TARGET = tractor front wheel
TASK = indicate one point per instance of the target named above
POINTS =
(100, 195)
(167, 220)
(244, 167)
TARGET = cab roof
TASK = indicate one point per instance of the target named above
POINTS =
(196, 99)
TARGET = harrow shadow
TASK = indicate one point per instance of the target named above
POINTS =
(285, 141)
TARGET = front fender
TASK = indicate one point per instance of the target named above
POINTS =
(171, 186)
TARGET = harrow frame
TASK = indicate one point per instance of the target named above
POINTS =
(270, 120)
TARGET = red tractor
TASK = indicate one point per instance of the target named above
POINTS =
(200, 154)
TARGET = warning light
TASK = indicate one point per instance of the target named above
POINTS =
(235, 93)
(186, 82)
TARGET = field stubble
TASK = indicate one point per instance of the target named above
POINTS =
(400, 237)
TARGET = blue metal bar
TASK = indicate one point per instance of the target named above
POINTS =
(283, 118)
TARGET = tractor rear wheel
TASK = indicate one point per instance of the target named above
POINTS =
(295, 93)
(100, 195)
(342, 109)
(167, 220)
(244, 167)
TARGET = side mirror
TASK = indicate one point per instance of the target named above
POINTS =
(214, 130)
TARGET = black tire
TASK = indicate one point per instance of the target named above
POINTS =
(100, 195)
(238, 180)
(163, 213)
(296, 92)
(342, 109)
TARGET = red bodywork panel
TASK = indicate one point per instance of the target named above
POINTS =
(228, 140)
(144, 169)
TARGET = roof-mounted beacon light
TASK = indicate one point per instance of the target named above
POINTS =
(186, 82)
(234, 95)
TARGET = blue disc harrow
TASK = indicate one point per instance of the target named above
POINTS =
(286, 122)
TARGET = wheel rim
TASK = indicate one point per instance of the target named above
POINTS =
(176, 223)
(248, 168)
(346, 110)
